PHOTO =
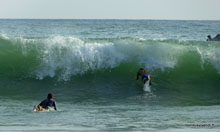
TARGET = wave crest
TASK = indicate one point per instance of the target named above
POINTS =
(67, 56)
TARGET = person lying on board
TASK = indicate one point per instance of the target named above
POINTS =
(144, 75)
(47, 104)
(216, 38)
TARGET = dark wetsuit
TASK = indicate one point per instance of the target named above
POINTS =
(48, 103)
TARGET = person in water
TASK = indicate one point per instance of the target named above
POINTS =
(144, 75)
(46, 104)
(216, 38)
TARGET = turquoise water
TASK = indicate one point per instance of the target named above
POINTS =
(91, 66)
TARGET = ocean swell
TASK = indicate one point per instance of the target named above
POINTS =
(64, 57)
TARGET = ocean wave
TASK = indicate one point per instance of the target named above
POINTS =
(64, 57)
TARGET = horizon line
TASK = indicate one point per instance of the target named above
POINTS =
(112, 19)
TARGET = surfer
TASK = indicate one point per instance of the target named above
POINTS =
(216, 38)
(144, 75)
(48, 103)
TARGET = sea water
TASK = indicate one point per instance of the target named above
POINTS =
(90, 66)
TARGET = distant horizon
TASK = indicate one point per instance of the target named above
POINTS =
(110, 19)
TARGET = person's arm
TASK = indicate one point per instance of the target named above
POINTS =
(149, 77)
(138, 75)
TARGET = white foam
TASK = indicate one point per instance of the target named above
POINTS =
(210, 54)
(4, 36)
(73, 56)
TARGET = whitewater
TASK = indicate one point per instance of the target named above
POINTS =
(91, 66)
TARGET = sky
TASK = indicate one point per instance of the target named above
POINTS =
(111, 9)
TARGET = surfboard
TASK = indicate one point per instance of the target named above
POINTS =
(38, 108)
(42, 109)
(146, 87)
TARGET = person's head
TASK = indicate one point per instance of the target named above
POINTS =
(50, 96)
(141, 70)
